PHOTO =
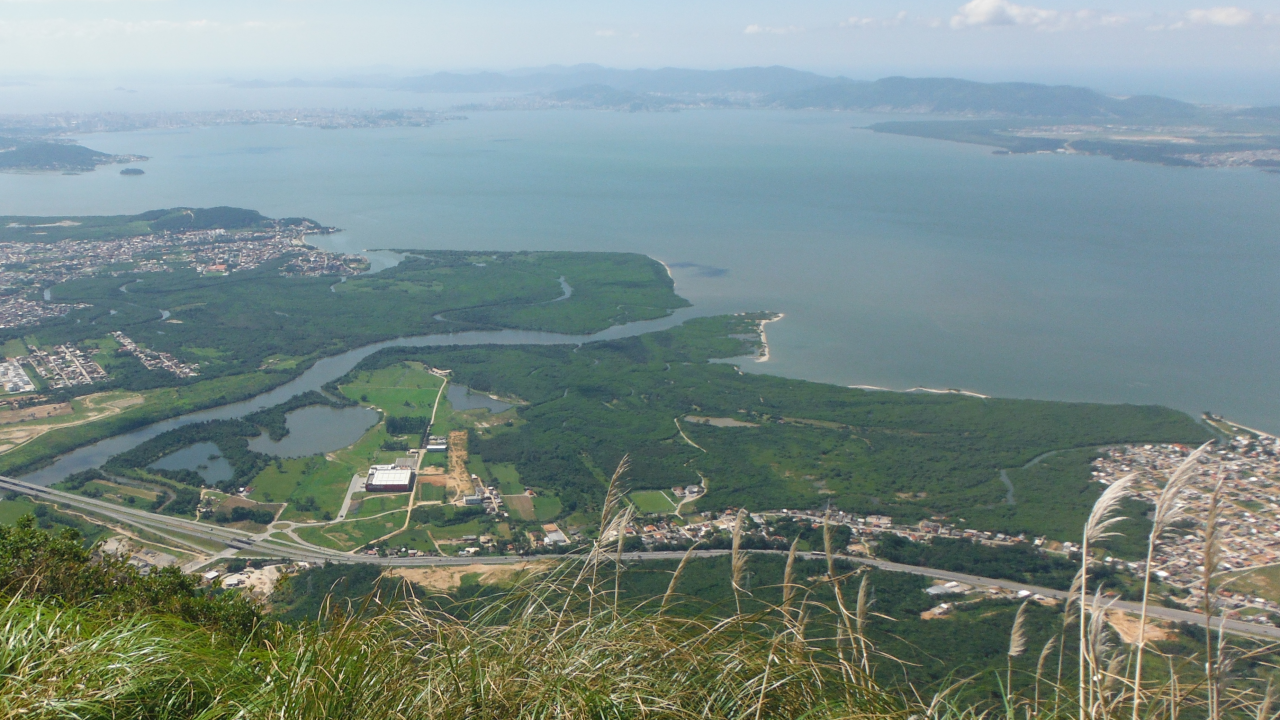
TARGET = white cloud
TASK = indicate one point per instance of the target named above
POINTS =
(606, 33)
(758, 29)
(858, 22)
(990, 13)
(1223, 16)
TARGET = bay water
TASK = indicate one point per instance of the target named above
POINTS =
(898, 262)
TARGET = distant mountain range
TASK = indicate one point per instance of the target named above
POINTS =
(672, 88)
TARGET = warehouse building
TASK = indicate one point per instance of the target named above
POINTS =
(389, 478)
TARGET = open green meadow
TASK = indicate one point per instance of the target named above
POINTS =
(364, 504)
(508, 478)
(547, 507)
(404, 390)
(11, 510)
(652, 502)
(430, 493)
(352, 534)
(313, 486)
(14, 347)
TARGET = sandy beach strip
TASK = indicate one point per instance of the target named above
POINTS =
(764, 339)
(919, 388)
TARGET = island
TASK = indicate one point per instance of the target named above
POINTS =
(36, 154)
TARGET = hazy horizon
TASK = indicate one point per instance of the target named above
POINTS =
(1197, 51)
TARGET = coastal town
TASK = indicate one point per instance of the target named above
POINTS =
(1248, 524)
(64, 366)
(28, 268)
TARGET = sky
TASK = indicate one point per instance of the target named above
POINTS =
(1116, 45)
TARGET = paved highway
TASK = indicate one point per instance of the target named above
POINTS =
(239, 541)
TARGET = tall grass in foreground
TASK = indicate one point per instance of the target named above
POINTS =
(560, 645)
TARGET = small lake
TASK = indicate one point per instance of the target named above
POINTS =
(317, 429)
(464, 398)
(198, 458)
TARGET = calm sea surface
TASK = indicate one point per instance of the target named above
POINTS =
(898, 262)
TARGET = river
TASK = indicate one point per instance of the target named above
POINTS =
(324, 371)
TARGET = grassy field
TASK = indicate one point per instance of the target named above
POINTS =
(430, 493)
(366, 504)
(520, 507)
(295, 480)
(547, 507)
(368, 450)
(120, 494)
(415, 538)
(402, 390)
(352, 534)
(11, 510)
(1263, 582)
(14, 347)
(508, 478)
(652, 501)
(20, 506)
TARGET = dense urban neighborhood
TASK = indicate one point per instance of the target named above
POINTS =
(29, 267)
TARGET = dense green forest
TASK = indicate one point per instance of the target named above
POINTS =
(48, 229)
(256, 319)
(33, 154)
(796, 443)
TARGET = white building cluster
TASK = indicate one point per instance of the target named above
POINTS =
(1249, 520)
(64, 366)
(14, 378)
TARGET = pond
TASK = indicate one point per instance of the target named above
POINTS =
(204, 458)
(464, 398)
(317, 429)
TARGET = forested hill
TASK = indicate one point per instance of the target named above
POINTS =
(30, 155)
(795, 89)
(964, 97)
(24, 228)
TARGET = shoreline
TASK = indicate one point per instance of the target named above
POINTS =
(668, 269)
(918, 388)
(764, 339)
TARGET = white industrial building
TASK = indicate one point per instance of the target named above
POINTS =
(389, 478)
